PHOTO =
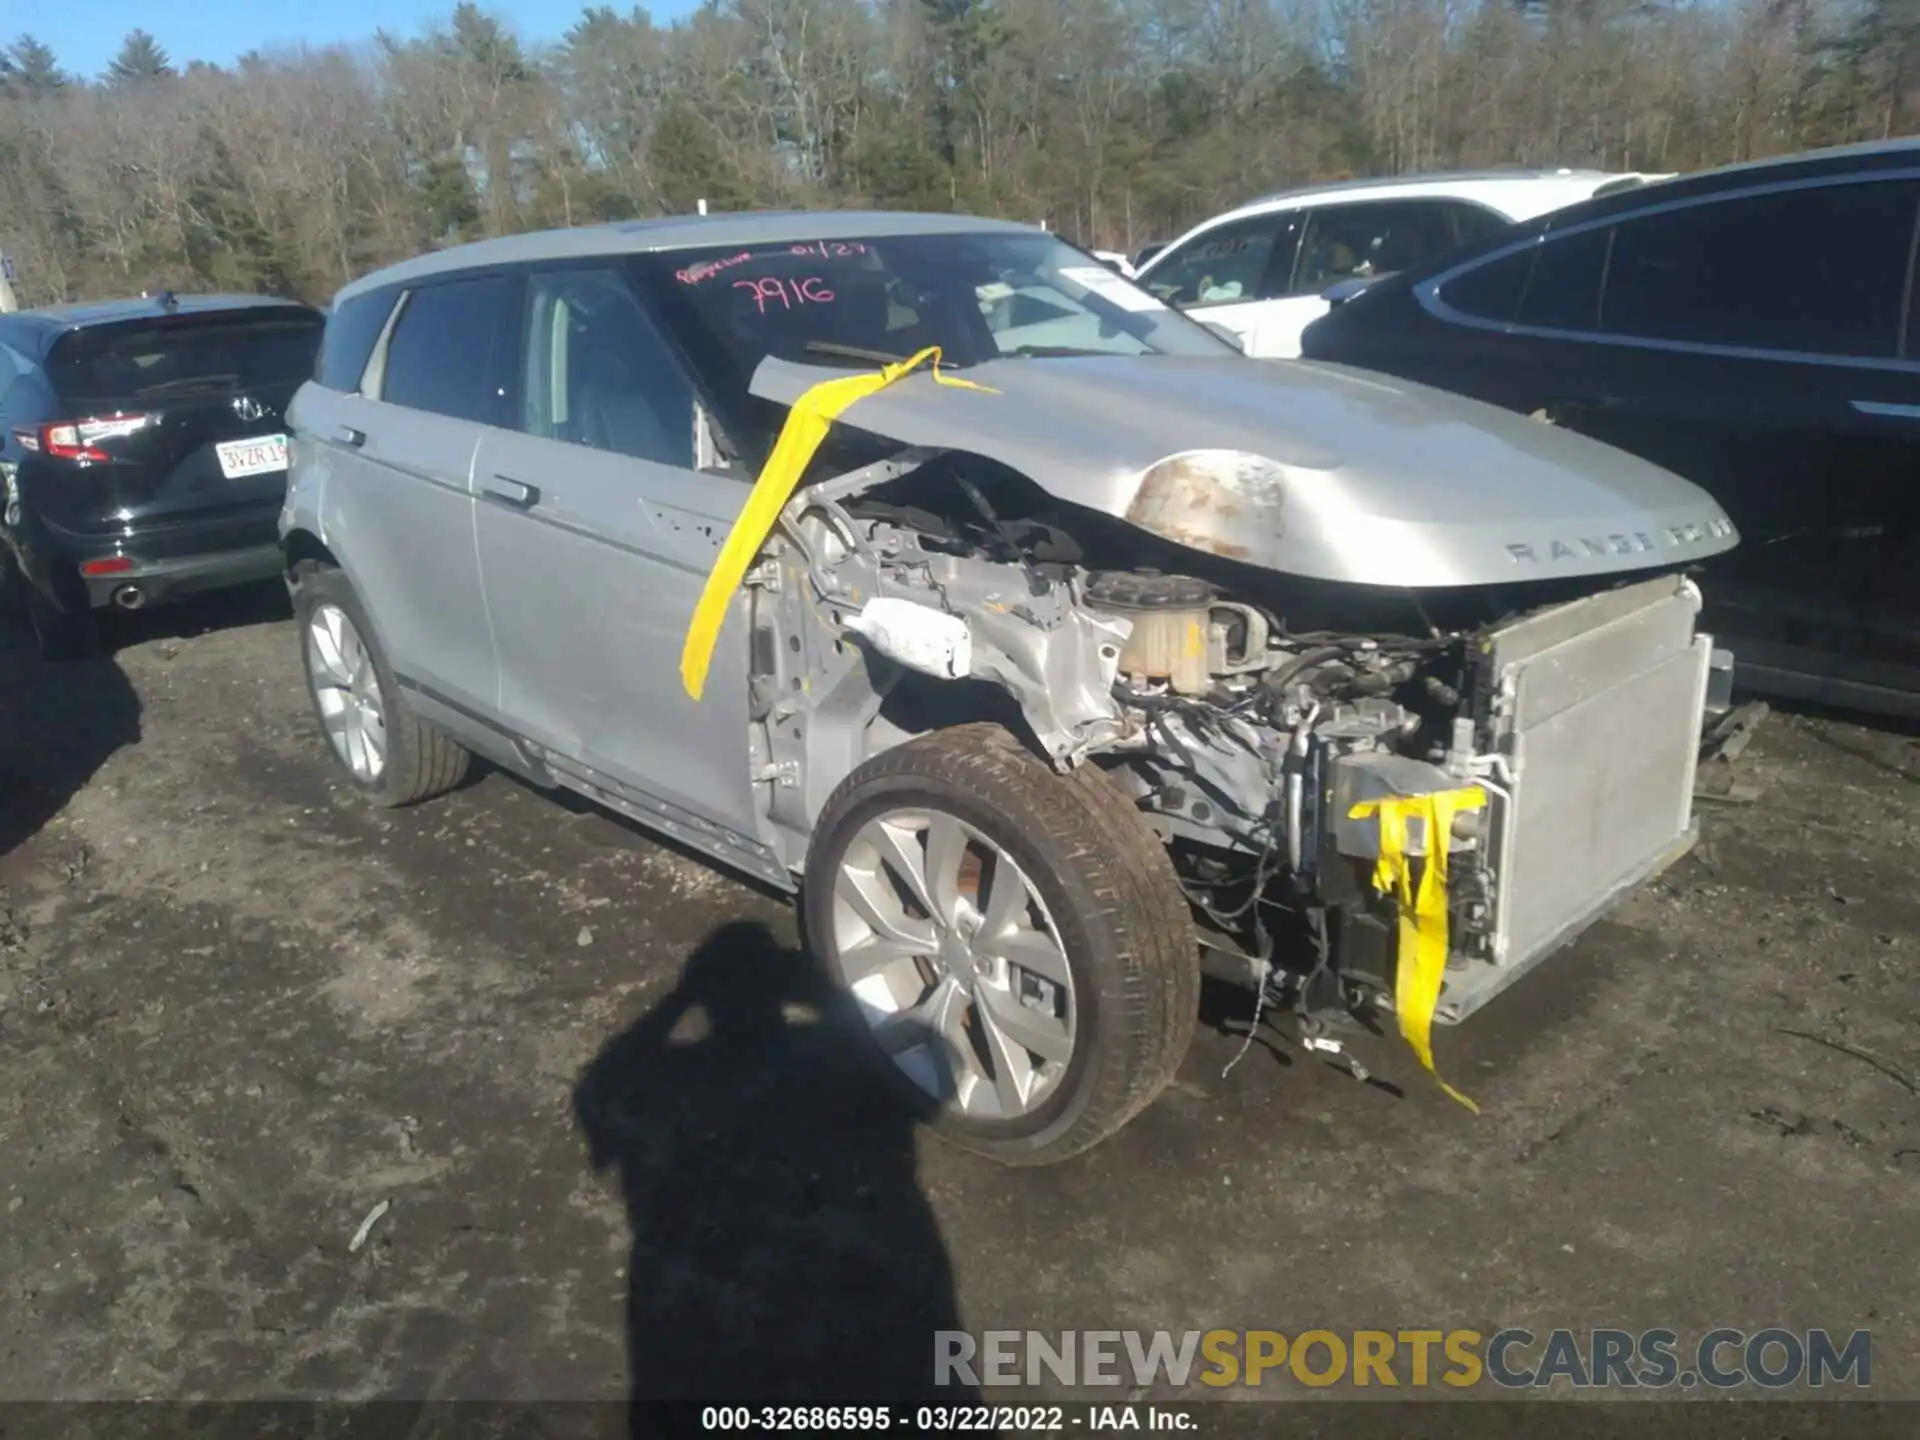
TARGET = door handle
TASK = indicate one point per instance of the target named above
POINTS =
(347, 435)
(503, 491)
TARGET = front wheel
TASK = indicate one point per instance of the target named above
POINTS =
(1014, 941)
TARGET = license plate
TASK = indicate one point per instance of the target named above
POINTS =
(240, 458)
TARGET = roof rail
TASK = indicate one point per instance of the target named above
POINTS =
(1419, 177)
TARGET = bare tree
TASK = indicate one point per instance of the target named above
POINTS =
(1118, 121)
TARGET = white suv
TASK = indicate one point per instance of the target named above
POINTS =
(1263, 271)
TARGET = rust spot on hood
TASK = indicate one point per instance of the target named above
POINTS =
(1211, 500)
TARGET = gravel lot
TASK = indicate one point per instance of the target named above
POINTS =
(238, 1012)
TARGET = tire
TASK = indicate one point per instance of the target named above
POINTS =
(60, 635)
(1096, 880)
(418, 760)
(13, 584)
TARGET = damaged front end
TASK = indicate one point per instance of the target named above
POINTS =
(1290, 738)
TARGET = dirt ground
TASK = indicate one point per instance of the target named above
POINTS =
(238, 1012)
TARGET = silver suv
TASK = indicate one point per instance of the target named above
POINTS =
(1051, 649)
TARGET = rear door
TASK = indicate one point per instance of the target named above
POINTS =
(1232, 275)
(596, 534)
(1363, 240)
(1753, 343)
(1519, 328)
(177, 417)
(397, 502)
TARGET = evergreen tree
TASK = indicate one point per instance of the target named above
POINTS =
(228, 244)
(1879, 53)
(688, 165)
(449, 205)
(140, 60)
(480, 41)
(28, 69)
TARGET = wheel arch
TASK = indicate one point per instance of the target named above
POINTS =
(301, 544)
(1110, 890)
(917, 705)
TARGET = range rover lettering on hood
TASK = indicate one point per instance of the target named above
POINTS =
(1560, 548)
(1309, 469)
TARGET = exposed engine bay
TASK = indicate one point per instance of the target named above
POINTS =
(1257, 719)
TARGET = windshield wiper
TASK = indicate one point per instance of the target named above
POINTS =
(1052, 352)
(186, 384)
(853, 352)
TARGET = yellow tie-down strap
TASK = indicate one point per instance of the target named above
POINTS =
(1421, 964)
(807, 424)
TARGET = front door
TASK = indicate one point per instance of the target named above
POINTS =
(1763, 360)
(596, 534)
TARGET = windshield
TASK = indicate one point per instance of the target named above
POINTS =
(861, 302)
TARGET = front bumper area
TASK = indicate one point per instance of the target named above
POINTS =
(1593, 711)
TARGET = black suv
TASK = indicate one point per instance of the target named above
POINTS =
(143, 450)
(1754, 329)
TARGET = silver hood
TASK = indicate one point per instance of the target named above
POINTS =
(1312, 469)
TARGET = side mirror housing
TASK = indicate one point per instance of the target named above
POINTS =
(1345, 290)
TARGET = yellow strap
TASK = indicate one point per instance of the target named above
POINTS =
(800, 437)
(1421, 965)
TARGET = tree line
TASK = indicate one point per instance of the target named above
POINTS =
(1116, 122)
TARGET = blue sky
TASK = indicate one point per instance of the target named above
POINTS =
(86, 33)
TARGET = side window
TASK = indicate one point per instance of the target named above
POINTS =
(8, 373)
(353, 329)
(1374, 237)
(1491, 291)
(1246, 260)
(1563, 292)
(1819, 270)
(451, 353)
(1473, 223)
(597, 372)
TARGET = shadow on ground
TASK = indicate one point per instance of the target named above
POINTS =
(59, 722)
(58, 725)
(261, 602)
(781, 1247)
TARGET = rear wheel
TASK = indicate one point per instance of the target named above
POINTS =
(1014, 941)
(391, 755)
(60, 634)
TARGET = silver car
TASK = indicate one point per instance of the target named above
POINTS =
(1049, 648)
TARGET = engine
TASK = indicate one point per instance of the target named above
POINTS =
(1315, 756)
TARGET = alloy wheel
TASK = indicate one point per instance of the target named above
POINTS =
(954, 962)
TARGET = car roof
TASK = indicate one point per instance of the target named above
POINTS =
(677, 232)
(41, 327)
(1517, 194)
(1838, 160)
(1446, 181)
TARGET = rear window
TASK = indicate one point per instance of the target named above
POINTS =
(1491, 291)
(353, 329)
(146, 359)
(452, 351)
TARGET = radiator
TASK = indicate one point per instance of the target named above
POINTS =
(1597, 709)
